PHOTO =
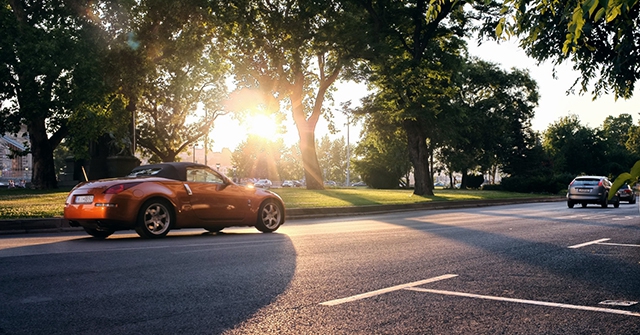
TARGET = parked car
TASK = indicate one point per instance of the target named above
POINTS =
(625, 193)
(590, 190)
(359, 184)
(263, 183)
(154, 199)
(288, 183)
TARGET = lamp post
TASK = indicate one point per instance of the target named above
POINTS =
(348, 153)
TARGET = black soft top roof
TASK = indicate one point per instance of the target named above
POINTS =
(173, 170)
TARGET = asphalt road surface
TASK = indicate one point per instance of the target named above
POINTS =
(519, 269)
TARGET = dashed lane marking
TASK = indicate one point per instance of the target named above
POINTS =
(588, 243)
(385, 290)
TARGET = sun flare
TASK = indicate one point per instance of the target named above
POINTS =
(263, 126)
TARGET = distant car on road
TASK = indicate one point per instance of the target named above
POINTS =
(263, 183)
(625, 193)
(154, 199)
(359, 184)
(585, 190)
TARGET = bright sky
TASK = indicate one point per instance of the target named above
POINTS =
(553, 104)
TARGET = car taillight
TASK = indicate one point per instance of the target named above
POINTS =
(600, 183)
(115, 189)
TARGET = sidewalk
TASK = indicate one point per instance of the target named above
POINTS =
(57, 225)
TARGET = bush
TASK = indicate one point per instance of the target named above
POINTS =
(537, 183)
(492, 187)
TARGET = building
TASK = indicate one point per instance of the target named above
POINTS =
(19, 167)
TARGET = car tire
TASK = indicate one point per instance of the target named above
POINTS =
(616, 204)
(98, 234)
(584, 205)
(570, 204)
(270, 216)
(155, 219)
(632, 201)
(214, 229)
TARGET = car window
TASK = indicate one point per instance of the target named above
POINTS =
(586, 182)
(201, 175)
(145, 172)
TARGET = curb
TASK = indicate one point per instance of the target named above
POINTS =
(58, 225)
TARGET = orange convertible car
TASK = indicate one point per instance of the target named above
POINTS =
(156, 198)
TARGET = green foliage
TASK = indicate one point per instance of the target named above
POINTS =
(381, 155)
(630, 178)
(599, 37)
(537, 183)
(473, 181)
(54, 56)
(332, 156)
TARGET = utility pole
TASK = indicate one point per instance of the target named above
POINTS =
(348, 153)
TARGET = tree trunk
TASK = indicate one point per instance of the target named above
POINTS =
(44, 172)
(312, 171)
(419, 156)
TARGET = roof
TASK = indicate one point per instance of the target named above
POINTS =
(170, 170)
(13, 142)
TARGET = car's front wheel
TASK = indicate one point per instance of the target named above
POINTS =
(154, 219)
(270, 216)
(99, 234)
(570, 204)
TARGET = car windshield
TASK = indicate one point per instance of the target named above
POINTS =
(586, 182)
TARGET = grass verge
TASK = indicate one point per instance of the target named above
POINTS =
(24, 203)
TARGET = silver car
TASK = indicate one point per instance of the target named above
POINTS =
(590, 190)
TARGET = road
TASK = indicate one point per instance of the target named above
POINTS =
(518, 269)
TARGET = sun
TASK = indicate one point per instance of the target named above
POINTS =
(263, 126)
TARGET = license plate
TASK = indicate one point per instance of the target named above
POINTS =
(84, 199)
(584, 190)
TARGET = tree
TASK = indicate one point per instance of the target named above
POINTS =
(381, 155)
(53, 59)
(493, 126)
(292, 51)
(574, 148)
(413, 49)
(615, 133)
(599, 37)
(332, 156)
(258, 157)
(182, 75)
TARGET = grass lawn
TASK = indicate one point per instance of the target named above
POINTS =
(21, 203)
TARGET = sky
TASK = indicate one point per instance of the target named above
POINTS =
(554, 103)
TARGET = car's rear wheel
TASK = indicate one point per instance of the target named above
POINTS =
(154, 219)
(616, 204)
(584, 205)
(632, 201)
(270, 216)
(99, 234)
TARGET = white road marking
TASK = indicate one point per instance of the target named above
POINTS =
(588, 243)
(622, 245)
(529, 302)
(385, 290)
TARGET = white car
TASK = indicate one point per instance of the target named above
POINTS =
(263, 183)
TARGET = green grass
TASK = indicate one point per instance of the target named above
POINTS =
(20, 203)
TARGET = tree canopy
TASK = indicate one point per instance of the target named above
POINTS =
(600, 38)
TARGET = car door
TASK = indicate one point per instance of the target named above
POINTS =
(212, 198)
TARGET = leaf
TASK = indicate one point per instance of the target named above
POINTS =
(599, 14)
(500, 27)
(635, 170)
(623, 178)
